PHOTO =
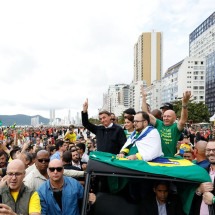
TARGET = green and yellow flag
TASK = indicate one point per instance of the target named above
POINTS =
(172, 167)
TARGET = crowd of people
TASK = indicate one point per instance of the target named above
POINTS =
(42, 169)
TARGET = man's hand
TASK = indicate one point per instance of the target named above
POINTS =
(132, 157)
(205, 187)
(92, 198)
(5, 209)
(120, 155)
(186, 97)
(207, 198)
(143, 92)
(85, 106)
(3, 181)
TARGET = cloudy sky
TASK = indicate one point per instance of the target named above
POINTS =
(55, 54)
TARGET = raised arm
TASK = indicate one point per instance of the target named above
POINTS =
(144, 106)
(184, 112)
(85, 106)
(85, 121)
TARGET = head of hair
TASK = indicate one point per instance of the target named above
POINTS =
(157, 113)
(59, 143)
(81, 146)
(67, 157)
(130, 118)
(52, 148)
(104, 112)
(130, 111)
(14, 150)
(157, 183)
(144, 115)
(2, 152)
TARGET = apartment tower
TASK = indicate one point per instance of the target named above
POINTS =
(148, 57)
(202, 44)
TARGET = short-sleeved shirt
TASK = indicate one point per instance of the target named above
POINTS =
(71, 136)
(169, 137)
(34, 203)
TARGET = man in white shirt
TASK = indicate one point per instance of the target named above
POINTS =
(144, 143)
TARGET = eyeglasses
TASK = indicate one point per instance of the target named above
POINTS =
(16, 174)
(52, 169)
(43, 160)
(136, 121)
(113, 119)
(208, 150)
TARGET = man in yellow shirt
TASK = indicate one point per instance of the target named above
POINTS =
(16, 197)
(70, 134)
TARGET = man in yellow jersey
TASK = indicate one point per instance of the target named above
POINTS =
(70, 134)
(16, 197)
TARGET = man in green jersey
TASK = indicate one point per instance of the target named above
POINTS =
(170, 130)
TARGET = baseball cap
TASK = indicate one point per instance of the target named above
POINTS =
(167, 106)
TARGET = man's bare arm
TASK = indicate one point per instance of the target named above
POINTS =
(184, 112)
(145, 108)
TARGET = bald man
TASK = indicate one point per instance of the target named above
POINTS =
(39, 174)
(199, 153)
(206, 191)
(60, 194)
(170, 131)
(16, 197)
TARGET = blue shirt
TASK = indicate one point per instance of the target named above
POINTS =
(204, 163)
(56, 155)
(72, 191)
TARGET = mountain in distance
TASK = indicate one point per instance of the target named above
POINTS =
(21, 119)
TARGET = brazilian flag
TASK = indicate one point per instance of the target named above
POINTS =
(173, 167)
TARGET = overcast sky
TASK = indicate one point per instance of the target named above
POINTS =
(55, 54)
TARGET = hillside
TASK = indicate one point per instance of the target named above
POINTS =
(20, 119)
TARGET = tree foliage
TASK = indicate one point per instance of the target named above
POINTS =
(121, 119)
(94, 121)
(197, 112)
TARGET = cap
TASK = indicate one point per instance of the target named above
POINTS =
(167, 106)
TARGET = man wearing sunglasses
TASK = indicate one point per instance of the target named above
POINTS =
(60, 194)
(39, 174)
(16, 197)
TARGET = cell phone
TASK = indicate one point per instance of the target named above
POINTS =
(0, 199)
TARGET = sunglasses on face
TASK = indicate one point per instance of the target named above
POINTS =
(43, 160)
(52, 169)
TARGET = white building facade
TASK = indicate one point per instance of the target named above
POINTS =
(188, 74)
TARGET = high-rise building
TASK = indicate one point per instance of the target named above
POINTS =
(135, 94)
(154, 95)
(188, 74)
(116, 99)
(148, 57)
(202, 44)
(52, 116)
